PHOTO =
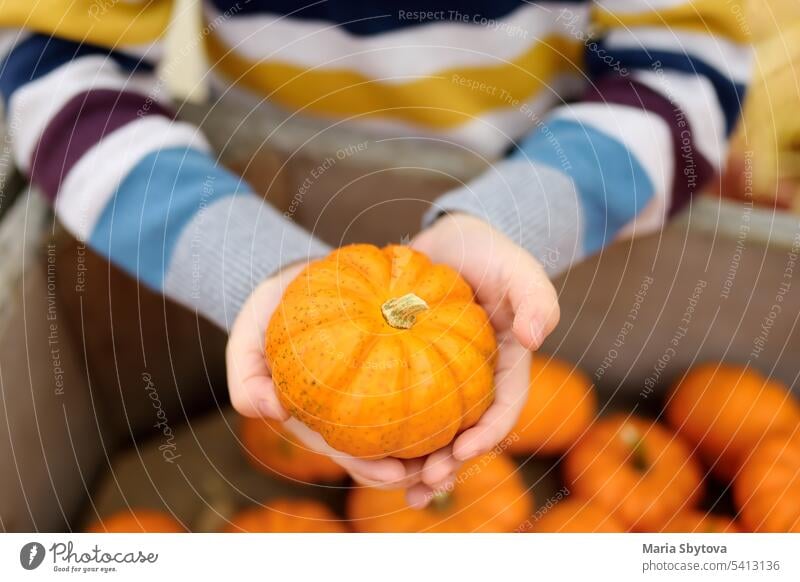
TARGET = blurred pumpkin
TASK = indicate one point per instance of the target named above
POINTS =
(561, 405)
(693, 521)
(640, 471)
(725, 409)
(576, 515)
(138, 520)
(767, 489)
(286, 516)
(488, 496)
(274, 450)
(382, 352)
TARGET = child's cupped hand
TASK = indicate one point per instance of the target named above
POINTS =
(253, 394)
(510, 285)
(522, 305)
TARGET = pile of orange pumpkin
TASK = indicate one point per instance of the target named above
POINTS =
(724, 424)
(384, 353)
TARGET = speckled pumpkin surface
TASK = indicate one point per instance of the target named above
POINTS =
(274, 450)
(489, 496)
(139, 520)
(637, 469)
(287, 516)
(382, 352)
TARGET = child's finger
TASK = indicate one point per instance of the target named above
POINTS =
(413, 469)
(388, 472)
(419, 496)
(439, 466)
(255, 397)
(512, 380)
(534, 302)
(250, 386)
(249, 380)
(383, 473)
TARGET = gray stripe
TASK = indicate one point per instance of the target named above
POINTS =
(227, 250)
(534, 205)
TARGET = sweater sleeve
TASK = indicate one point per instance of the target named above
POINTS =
(665, 86)
(93, 130)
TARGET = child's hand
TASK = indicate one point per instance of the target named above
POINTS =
(509, 284)
(253, 392)
(523, 307)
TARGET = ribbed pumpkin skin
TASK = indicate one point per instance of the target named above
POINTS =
(693, 521)
(370, 389)
(603, 467)
(767, 489)
(137, 521)
(575, 515)
(726, 409)
(561, 405)
(489, 496)
(286, 516)
(272, 449)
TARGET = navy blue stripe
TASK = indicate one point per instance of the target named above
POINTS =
(730, 94)
(40, 54)
(366, 17)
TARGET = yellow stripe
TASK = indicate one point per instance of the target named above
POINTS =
(435, 101)
(109, 23)
(714, 17)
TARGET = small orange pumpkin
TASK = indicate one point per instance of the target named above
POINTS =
(139, 520)
(725, 409)
(575, 515)
(694, 521)
(489, 496)
(767, 488)
(382, 352)
(286, 516)
(561, 405)
(637, 469)
(274, 450)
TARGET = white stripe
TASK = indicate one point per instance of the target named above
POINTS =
(487, 135)
(733, 60)
(150, 52)
(33, 105)
(638, 6)
(696, 98)
(650, 219)
(416, 51)
(644, 134)
(9, 38)
(92, 181)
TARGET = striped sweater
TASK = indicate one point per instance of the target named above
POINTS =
(601, 118)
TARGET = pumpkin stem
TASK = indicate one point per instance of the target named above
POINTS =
(633, 438)
(442, 500)
(401, 312)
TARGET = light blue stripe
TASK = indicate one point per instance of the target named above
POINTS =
(141, 224)
(612, 184)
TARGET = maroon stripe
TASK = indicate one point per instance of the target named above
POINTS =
(80, 124)
(692, 169)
